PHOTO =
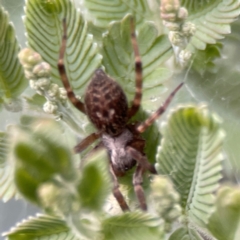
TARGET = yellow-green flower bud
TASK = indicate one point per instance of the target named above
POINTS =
(28, 57)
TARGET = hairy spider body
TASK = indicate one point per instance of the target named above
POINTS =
(106, 104)
(107, 108)
(116, 147)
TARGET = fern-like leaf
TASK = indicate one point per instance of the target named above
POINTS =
(212, 19)
(131, 226)
(12, 79)
(103, 11)
(39, 228)
(7, 187)
(204, 60)
(95, 184)
(184, 233)
(225, 221)
(43, 22)
(191, 155)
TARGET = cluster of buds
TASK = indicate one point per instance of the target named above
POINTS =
(38, 73)
(166, 200)
(180, 31)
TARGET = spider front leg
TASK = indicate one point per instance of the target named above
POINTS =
(86, 142)
(138, 72)
(62, 71)
(141, 160)
(149, 121)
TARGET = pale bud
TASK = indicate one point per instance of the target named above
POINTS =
(188, 29)
(43, 69)
(50, 107)
(184, 57)
(32, 84)
(62, 93)
(172, 26)
(176, 38)
(53, 91)
(182, 13)
(29, 57)
(43, 83)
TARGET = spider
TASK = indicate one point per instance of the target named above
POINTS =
(106, 106)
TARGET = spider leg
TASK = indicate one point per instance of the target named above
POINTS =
(86, 142)
(137, 183)
(138, 71)
(143, 126)
(141, 159)
(143, 165)
(62, 71)
(117, 193)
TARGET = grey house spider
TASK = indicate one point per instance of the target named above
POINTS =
(106, 106)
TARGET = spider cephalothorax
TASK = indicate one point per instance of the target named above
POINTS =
(116, 146)
(106, 107)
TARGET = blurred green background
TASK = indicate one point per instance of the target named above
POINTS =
(14, 210)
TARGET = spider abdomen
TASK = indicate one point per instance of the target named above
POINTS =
(106, 104)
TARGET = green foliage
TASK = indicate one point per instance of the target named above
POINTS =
(93, 195)
(39, 162)
(220, 90)
(225, 221)
(36, 174)
(191, 155)
(81, 57)
(3, 146)
(135, 225)
(220, 87)
(7, 187)
(165, 200)
(185, 234)
(212, 19)
(204, 59)
(41, 227)
(103, 12)
(12, 79)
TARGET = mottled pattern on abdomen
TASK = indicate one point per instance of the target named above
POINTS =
(106, 104)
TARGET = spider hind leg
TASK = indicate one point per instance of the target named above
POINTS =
(117, 193)
(138, 189)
